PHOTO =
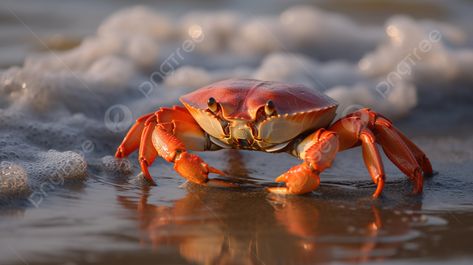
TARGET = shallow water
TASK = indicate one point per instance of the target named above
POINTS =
(67, 105)
(114, 219)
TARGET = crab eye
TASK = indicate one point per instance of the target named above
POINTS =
(212, 103)
(269, 108)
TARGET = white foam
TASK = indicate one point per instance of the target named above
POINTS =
(27, 155)
(138, 21)
(420, 50)
(305, 28)
(13, 181)
(123, 166)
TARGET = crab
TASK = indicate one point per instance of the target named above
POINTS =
(270, 117)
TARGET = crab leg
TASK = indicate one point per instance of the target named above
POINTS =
(169, 133)
(366, 127)
(421, 158)
(172, 149)
(399, 153)
(147, 153)
(318, 151)
(353, 131)
(131, 142)
(372, 160)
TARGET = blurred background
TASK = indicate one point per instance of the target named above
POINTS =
(64, 23)
(74, 75)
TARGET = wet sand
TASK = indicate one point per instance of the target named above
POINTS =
(113, 217)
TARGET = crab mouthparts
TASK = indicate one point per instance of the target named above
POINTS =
(243, 143)
(240, 131)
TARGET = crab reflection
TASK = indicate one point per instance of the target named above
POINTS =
(248, 226)
(213, 226)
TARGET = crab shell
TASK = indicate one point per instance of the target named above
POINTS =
(240, 121)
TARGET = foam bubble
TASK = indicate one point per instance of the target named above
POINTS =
(113, 164)
(57, 166)
(13, 180)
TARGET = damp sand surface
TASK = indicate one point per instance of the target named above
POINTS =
(65, 200)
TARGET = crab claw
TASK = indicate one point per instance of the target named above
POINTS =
(299, 179)
(193, 168)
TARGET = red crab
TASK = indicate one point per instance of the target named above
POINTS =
(270, 117)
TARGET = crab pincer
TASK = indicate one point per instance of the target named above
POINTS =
(299, 179)
(193, 168)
